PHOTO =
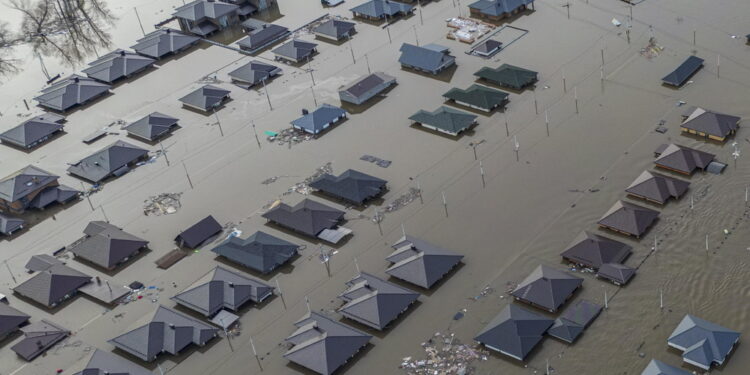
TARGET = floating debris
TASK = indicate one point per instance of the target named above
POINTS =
(303, 187)
(162, 204)
(486, 291)
(378, 161)
(288, 136)
(403, 200)
(652, 49)
(446, 355)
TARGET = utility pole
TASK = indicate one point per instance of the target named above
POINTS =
(507, 132)
(565, 86)
(390, 41)
(718, 65)
(356, 266)
(661, 299)
(104, 213)
(693, 37)
(367, 60)
(281, 293)
(421, 200)
(226, 333)
(606, 303)
(567, 6)
(307, 302)
(706, 244)
(88, 196)
(187, 175)
(315, 100)
(309, 68)
(351, 49)
(403, 230)
(10, 272)
(163, 152)
(255, 353)
(546, 121)
(419, 4)
(445, 204)
(416, 37)
(267, 96)
(536, 108)
(516, 147)
(575, 96)
(255, 131)
(221, 131)
(481, 172)
(139, 21)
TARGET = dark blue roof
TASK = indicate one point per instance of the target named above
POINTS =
(684, 71)
(498, 7)
(430, 57)
(315, 121)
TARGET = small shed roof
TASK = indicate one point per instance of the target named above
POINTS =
(547, 287)
(680, 75)
(222, 289)
(657, 187)
(71, 91)
(367, 83)
(593, 250)
(703, 343)
(446, 119)
(479, 96)
(206, 98)
(420, 262)
(488, 46)
(682, 159)
(105, 291)
(629, 218)
(334, 29)
(254, 72)
(429, 57)
(656, 367)
(351, 185)
(580, 315)
(382, 8)
(199, 232)
(53, 194)
(33, 130)
(295, 49)
(9, 224)
(373, 301)
(514, 332)
(162, 42)
(508, 75)
(314, 122)
(261, 251)
(308, 216)
(39, 337)
(152, 126)
(52, 285)
(712, 123)
(616, 272)
(117, 64)
(107, 245)
(105, 162)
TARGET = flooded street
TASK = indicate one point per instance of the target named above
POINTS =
(528, 212)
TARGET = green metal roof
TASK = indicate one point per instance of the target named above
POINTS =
(444, 118)
(477, 95)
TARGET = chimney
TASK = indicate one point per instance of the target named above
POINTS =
(304, 111)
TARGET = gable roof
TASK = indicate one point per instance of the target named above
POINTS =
(105, 363)
(261, 251)
(71, 91)
(684, 71)
(32, 130)
(682, 159)
(629, 218)
(295, 49)
(167, 331)
(515, 331)
(261, 35)
(9, 224)
(712, 123)
(307, 216)
(420, 262)
(200, 9)
(117, 64)
(477, 95)
(367, 83)
(107, 245)
(24, 182)
(656, 367)
(657, 187)
(254, 72)
(508, 75)
(322, 344)
(547, 287)
(593, 250)
(199, 232)
(152, 126)
(430, 57)
(222, 289)
(39, 337)
(334, 28)
(315, 121)
(52, 285)
(498, 7)
(162, 42)
(10, 319)
(103, 163)
(206, 97)
(702, 342)
(616, 272)
(351, 185)
(382, 8)
(373, 301)
(447, 119)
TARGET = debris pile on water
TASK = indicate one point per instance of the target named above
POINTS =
(303, 187)
(652, 49)
(378, 161)
(446, 355)
(288, 136)
(162, 204)
(403, 200)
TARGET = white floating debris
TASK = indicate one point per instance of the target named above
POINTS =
(616, 22)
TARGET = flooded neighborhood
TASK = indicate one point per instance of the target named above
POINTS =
(374, 186)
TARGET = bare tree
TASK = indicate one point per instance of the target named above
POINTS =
(8, 65)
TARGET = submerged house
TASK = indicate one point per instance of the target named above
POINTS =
(381, 9)
(334, 30)
(617, 273)
(322, 344)
(107, 246)
(445, 120)
(261, 251)
(206, 98)
(53, 285)
(350, 186)
(547, 288)
(320, 119)
(478, 97)
(374, 302)
(308, 217)
(204, 17)
(710, 125)
(164, 42)
(681, 159)
(496, 10)
(657, 188)
(112, 161)
(117, 65)
(514, 332)
(10, 225)
(10, 320)
(253, 73)
(430, 58)
(683, 72)
(33, 132)
(199, 233)
(574, 321)
(260, 35)
(152, 127)
(366, 88)
(38, 338)
(419, 262)
(509, 76)
(168, 331)
(70, 92)
(592, 251)
(488, 48)
(295, 51)
(703, 344)
(32, 187)
(656, 367)
(629, 219)
(106, 363)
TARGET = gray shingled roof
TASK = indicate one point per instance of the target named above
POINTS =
(116, 65)
(107, 245)
(49, 287)
(322, 344)
(105, 363)
(261, 251)
(9, 224)
(712, 123)
(592, 250)
(616, 272)
(445, 119)
(200, 9)
(31, 131)
(39, 337)
(488, 46)
(547, 288)
(222, 289)
(574, 320)
(430, 57)
(367, 83)
(682, 159)
(152, 127)
(352, 186)
(71, 91)
(514, 332)
(373, 301)
(703, 343)
(254, 72)
(24, 182)
(41, 262)
(206, 97)
(657, 187)
(163, 42)
(656, 367)
(477, 95)
(508, 75)
(53, 194)
(308, 217)
(684, 71)
(261, 35)
(318, 120)
(420, 262)
(628, 218)
(382, 8)
(335, 29)
(105, 162)
(498, 7)
(199, 232)
(10, 320)
(167, 331)
(295, 49)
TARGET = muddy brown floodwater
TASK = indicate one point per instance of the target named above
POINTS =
(526, 215)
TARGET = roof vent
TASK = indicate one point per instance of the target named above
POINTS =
(169, 31)
(122, 53)
(96, 163)
(304, 111)
(171, 325)
(76, 80)
(231, 284)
